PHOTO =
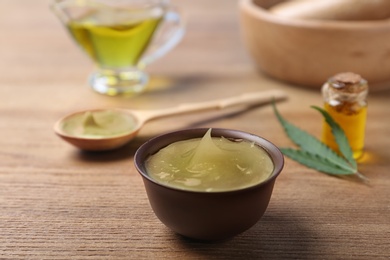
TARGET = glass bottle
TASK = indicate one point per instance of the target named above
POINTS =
(345, 97)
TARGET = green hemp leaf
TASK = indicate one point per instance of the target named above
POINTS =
(315, 154)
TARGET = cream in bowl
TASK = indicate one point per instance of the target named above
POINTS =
(210, 164)
(209, 184)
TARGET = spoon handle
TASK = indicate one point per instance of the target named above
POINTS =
(255, 98)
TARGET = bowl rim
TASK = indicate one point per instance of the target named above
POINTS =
(249, 7)
(189, 133)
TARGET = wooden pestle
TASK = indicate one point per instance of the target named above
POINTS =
(348, 10)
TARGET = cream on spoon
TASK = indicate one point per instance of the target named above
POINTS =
(106, 129)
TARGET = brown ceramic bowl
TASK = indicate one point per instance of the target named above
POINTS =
(207, 215)
(308, 52)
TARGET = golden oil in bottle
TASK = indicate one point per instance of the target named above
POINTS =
(345, 97)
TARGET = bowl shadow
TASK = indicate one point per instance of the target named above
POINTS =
(278, 235)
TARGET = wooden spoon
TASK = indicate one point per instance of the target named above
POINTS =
(100, 143)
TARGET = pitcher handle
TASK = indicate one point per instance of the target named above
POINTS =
(170, 33)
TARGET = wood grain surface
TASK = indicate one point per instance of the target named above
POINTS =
(57, 202)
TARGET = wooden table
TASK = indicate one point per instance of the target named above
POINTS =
(57, 202)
